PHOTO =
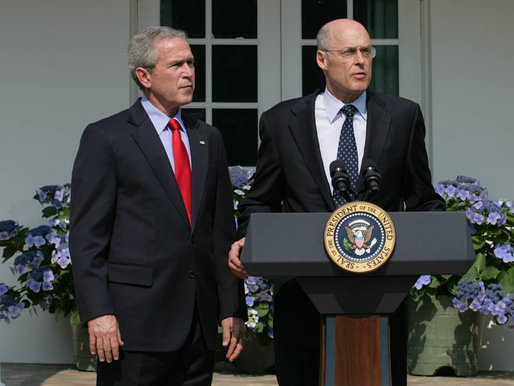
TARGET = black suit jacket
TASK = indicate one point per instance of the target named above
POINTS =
(134, 253)
(290, 176)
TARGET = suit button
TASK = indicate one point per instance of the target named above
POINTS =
(192, 275)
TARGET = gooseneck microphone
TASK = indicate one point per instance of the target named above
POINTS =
(371, 176)
(341, 179)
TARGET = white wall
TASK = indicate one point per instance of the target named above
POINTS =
(473, 91)
(473, 105)
(62, 65)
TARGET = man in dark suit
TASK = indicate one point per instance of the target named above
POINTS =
(151, 225)
(299, 140)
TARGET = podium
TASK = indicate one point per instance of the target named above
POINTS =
(355, 307)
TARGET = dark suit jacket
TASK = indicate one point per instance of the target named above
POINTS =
(134, 253)
(290, 177)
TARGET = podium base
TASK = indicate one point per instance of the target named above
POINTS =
(355, 350)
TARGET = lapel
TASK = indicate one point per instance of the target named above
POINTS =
(303, 129)
(199, 146)
(377, 129)
(150, 144)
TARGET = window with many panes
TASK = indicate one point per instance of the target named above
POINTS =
(250, 55)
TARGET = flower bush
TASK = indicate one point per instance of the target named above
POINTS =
(42, 264)
(258, 290)
(40, 259)
(488, 285)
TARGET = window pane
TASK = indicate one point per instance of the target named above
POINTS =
(234, 19)
(239, 130)
(234, 73)
(188, 15)
(315, 13)
(380, 17)
(199, 54)
(385, 71)
(194, 113)
(312, 76)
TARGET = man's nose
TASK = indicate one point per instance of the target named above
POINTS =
(359, 56)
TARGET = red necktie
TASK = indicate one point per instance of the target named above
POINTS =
(182, 166)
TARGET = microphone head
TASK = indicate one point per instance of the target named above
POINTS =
(368, 164)
(336, 166)
(371, 176)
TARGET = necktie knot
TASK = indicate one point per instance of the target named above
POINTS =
(173, 124)
(349, 110)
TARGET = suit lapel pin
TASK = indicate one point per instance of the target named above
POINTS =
(202, 142)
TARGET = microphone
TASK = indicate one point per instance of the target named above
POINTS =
(340, 179)
(371, 175)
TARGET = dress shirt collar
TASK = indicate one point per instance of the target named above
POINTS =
(333, 105)
(158, 118)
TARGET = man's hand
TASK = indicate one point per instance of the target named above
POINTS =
(234, 263)
(233, 336)
(104, 338)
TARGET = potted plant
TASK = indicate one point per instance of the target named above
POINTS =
(40, 258)
(41, 262)
(486, 289)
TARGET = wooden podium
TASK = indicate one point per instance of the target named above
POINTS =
(356, 307)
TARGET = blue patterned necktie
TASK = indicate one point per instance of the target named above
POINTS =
(347, 151)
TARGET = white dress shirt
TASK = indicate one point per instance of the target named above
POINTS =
(160, 122)
(329, 122)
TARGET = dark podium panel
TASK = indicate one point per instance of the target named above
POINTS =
(356, 306)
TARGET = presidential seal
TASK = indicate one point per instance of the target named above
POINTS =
(359, 237)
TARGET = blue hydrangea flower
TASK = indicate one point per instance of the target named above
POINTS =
(15, 310)
(48, 275)
(264, 296)
(505, 252)
(36, 236)
(9, 229)
(422, 281)
(463, 188)
(250, 300)
(34, 286)
(63, 261)
(490, 299)
(474, 217)
(30, 259)
(3, 289)
(240, 177)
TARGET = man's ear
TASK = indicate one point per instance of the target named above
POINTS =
(144, 76)
(321, 59)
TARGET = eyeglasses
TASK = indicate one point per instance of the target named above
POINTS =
(349, 53)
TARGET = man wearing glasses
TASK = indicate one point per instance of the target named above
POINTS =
(299, 140)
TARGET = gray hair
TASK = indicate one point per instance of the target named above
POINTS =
(141, 50)
(324, 35)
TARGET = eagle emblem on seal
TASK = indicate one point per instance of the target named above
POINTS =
(359, 237)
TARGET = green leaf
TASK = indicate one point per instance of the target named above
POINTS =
(416, 295)
(472, 271)
(478, 242)
(506, 279)
(480, 262)
(489, 273)
(435, 282)
(49, 211)
(9, 252)
(75, 318)
(259, 327)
